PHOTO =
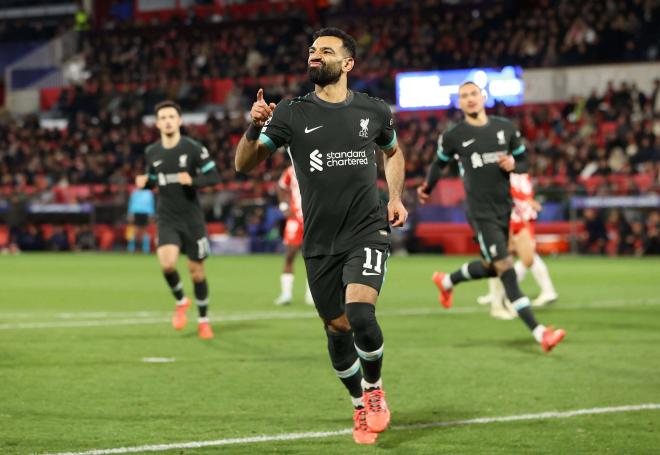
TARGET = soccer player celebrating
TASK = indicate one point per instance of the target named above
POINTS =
(178, 166)
(332, 135)
(288, 192)
(523, 219)
(488, 149)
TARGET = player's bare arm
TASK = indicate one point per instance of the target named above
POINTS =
(426, 188)
(395, 175)
(250, 151)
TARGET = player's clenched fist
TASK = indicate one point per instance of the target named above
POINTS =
(396, 213)
(261, 111)
(507, 163)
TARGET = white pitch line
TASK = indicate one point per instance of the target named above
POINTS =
(276, 315)
(329, 434)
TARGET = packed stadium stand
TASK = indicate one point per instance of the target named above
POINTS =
(86, 142)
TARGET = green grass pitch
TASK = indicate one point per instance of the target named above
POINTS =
(75, 328)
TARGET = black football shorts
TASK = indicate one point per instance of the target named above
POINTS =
(492, 235)
(328, 276)
(190, 238)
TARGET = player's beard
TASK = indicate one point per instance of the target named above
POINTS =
(326, 74)
(474, 114)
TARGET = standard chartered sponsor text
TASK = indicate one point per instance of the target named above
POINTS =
(350, 158)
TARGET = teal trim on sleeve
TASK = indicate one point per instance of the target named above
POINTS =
(268, 142)
(518, 151)
(153, 177)
(442, 156)
(392, 143)
(208, 166)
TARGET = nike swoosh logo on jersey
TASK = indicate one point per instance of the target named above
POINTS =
(466, 143)
(158, 163)
(312, 129)
(365, 273)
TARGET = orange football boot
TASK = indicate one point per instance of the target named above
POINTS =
(361, 433)
(445, 296)
(179, 318)
(551, 338)
(378, 415)
(204, 331)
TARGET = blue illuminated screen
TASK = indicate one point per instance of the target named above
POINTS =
(439, 89)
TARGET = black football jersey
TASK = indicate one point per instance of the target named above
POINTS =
(477, 149)
(177, 203)
(333, 150)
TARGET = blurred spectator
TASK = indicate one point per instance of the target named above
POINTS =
(59, 240)
(652, 245)
(595, 237)
(30, 238)
(85, 239)
(16, 218)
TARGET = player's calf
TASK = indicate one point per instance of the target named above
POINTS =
(344, 359)
(369, 346)
(368, 338)
(474, 270)
(174, 282)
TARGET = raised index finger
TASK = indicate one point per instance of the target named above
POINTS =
(260, 95)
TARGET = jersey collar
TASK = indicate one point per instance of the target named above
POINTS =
(346, 102)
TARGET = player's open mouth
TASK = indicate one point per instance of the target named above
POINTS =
(316, 64)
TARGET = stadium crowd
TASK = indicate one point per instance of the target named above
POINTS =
(615, 132)
(606, 142)
(411, 36)
(611, 138)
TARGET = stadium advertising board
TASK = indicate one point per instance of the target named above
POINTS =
(439, 89)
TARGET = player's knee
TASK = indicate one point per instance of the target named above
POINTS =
(503, 265)
(360, 315)
(527, 260)
(196, 272)
(168, 266)
(339, 325)
(197, 276)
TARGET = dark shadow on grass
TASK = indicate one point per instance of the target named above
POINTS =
(396, 436)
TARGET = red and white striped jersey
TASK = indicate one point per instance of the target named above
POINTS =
(522, 191)
(288, 182)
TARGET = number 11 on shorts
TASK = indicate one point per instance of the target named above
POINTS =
(367, 261)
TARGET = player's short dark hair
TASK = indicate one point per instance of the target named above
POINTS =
(167, 103)
(468, 83)
(348, 42)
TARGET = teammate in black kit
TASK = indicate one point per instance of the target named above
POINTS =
(333, 135)
(488, 149)
(178, 165)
